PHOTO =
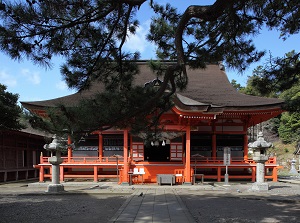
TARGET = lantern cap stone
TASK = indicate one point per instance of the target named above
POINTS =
(260, 142)
(56, 144)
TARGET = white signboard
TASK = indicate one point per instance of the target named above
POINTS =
(227, 154)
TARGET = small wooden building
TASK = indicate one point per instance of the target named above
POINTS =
(297, 153)
(19, 151)
(207, 117)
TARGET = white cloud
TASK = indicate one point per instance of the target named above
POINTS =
(61, 86)
(33, 77)
(138, 41)
(7, 79)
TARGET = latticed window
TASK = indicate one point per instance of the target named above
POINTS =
(137, 151)
(176, 151)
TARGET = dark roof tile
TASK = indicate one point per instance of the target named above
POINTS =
(208, 86)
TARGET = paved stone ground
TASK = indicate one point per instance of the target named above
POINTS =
(100, 202)
(154, 205)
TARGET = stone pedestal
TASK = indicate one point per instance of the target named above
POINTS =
(260, 168)
(55, 186)
(226, 180)
(187, 183)
(293, 167)
(55, 146)
(260, 157)
(260, 183)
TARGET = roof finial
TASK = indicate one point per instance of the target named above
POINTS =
(221, 65)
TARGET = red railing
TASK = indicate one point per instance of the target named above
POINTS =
(233, 160)
(114, 160)
(86, 160)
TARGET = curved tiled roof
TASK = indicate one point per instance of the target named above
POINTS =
(207, 89)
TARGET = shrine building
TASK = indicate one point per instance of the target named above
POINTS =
(208, 116)
(19, 152)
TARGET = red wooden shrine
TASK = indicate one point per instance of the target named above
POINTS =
(208, 116)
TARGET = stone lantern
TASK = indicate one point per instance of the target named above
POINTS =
(260, 156)
(293, 167)
(55, 147)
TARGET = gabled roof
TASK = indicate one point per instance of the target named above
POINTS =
(208, 90)
(297, 151)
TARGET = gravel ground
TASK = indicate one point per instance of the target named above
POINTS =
(238, 203)
(59, 208)
(207, 203)
(234, 209)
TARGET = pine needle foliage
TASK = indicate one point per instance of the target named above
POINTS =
(90, 36)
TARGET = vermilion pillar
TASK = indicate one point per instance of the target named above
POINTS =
(100, 146)
(253, 173)
(95, 173)
(69, 149)
(219, 174)
(245, 146)
(214, 142)
(274, 175)
(214, 146)
(125, 154)
(188, 156)
(62, 174)
(41, 177)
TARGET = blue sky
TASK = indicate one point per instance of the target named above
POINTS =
(34, 83)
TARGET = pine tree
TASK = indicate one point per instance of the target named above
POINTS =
(9, 110)
(90, 35)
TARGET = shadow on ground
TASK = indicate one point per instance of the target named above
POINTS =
(73, 208)
(212, 208)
